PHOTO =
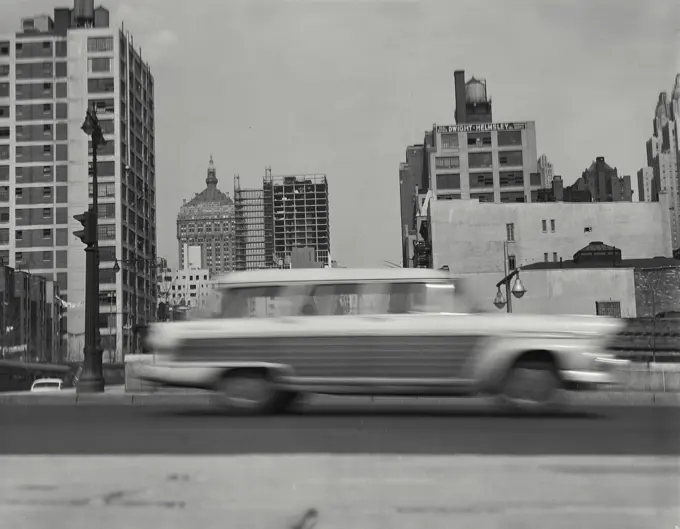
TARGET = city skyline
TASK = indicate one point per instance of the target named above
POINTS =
(348, 111)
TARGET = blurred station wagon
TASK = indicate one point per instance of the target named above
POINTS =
(275, 335)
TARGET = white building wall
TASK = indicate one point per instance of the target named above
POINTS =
(194, 256)
(192, 287)
(470, 237)
(560, 291)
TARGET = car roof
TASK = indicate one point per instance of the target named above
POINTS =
(48, 381)
(331, 275)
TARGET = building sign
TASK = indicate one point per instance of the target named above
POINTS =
(482, 127)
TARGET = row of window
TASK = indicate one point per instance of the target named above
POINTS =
(450, 141)
(480, 160)
(486, 180)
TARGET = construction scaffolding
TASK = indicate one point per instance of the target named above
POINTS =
(296, 215)
(249, 228)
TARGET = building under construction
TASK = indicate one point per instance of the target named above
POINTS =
(288, 212)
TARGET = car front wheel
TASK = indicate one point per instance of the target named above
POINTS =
(253, 393)
(531, 385)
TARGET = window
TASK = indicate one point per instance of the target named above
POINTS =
(480, 159)
(509, 137)
(608, 308)
(47, 233)
(478, 180)
(512, 262)
(479, 139)
(535, 179)
(47, 213)
(449, 141)
(106, 231)
(4, 48)
(448, 181)
(4, 112)
(511, 178)
(4, 216)
(19, 192)
(447, 162)
(19, 235)
(99, 64)
(510, 232)
(545, 257)
(47, 86)
(4, 70)
(552, 225)
(96, 86)
(47, 256)
(47, 170)
(4, 152)
(545, 225)
(47, 191)
(4, 132)
(510, 158)
(47, 107)
(554, 257)
(99, 44)
(19, 257)
(47, 149)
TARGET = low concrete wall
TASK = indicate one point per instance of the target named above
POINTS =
(132, 383)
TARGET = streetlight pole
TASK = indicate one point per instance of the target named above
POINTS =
(92, 378)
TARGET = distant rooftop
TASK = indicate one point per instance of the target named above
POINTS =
(654, 262)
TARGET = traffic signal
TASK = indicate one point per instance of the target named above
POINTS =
(87, 234)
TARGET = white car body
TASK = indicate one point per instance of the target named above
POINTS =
(44, 385)
(424, 353)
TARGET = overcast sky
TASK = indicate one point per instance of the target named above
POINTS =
(342, 87)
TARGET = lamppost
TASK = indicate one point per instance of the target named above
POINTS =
(517, 289)
(92, 378)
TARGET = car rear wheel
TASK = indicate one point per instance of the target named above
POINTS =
(252, 392)
(531, 385)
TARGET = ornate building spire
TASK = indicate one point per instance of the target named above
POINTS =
(211, 180)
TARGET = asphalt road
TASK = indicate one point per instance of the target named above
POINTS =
(420, 430)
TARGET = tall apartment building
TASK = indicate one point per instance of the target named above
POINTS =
(288, 212)
(663, 157)
(545, 167)
(51, 72)
(207, 221)
(647, 188)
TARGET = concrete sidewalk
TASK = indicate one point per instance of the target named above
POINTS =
(117, 396)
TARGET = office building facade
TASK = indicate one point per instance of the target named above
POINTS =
(663, 156)
(51, 72)
(207, 221)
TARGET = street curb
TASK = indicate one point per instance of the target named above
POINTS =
(602, 398)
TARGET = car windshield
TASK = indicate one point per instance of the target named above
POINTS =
(342, 299)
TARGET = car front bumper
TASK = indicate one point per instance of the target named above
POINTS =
(592, 379)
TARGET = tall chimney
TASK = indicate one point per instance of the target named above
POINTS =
(459, 94)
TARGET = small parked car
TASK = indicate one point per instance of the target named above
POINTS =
(47, 385)
(275, 335)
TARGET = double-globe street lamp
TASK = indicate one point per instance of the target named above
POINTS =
(517, 290)
(92, 378)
